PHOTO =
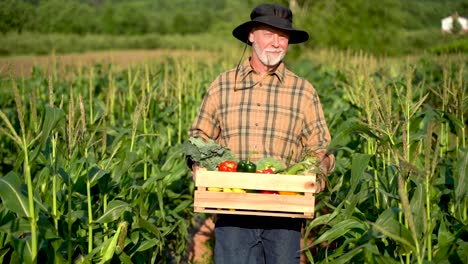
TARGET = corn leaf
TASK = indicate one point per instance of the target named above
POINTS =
(398, 233)
(108, 247)
(12, 198)
(339, 230)
(417, 208)
(53, 115)
(23, 248)
(147, 244)
(18, 225)
(114, 211)
(345, 258)
(95, 174)
(461, 189)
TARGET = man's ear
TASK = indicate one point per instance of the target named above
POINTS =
(251, 37)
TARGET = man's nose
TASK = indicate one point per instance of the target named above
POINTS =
(275, 40)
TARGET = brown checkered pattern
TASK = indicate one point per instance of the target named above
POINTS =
(277, 116)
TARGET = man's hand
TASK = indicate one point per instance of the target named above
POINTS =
(322, 183)
(195, 167)
(326, 168)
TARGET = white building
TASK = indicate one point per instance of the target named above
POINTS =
(447, 23)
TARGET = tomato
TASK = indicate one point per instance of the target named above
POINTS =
(268, 171)
(228, 165)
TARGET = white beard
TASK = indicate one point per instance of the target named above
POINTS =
(269, 57)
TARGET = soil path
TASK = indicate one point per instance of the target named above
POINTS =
(23, 65)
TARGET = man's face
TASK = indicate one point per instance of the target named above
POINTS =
(270, 45)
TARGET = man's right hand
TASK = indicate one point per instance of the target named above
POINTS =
(195, 167)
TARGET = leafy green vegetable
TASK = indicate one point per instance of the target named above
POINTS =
(309, 164)
(207, 154)
(269, 163)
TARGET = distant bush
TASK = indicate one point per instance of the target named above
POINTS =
(456, 46)
(35, 43)
(391, 27)
(15, 15)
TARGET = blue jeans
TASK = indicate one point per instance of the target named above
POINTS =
(257, 240)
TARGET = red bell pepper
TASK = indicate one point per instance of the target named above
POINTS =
(228, 166)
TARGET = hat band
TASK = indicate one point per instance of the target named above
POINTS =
(274, 21)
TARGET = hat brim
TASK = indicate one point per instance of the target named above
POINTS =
(242, 32)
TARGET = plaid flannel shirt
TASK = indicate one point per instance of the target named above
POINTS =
(277, 116)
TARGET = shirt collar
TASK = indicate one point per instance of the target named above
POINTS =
(245, 69)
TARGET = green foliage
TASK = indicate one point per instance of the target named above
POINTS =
(454, 47)
(269, 163)
(390, 27)
(109, 180)
(207, 154)
(15, 15)
(357, 25)
(56, 16)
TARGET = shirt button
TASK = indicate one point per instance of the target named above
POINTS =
(261, 84)
(258, 104)
(256, 124)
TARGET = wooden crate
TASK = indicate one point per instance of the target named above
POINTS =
(253, 203)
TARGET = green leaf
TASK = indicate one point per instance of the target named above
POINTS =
(52, 116)
(16, 226)
(183, 205)
(417, 208)
(346, 257)
(359, 165)
(65, 176)
(350, 127)
(400, 234)
(339, 230)
(108, 247)
(12, 198)
(147, 244)
(23, 248)
(95, 174)
(3, 252)
(444, 237)
(149, 226)
(125, 259)
(461, 188)
(114, 211)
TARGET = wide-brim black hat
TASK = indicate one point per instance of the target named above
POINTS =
(276, 16)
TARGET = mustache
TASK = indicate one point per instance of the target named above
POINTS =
(274, 50)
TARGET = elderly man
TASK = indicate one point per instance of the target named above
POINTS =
(262, 109)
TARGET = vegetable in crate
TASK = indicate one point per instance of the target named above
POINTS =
(207, 154)
(246, 166)
(268, 171)
(228, 166)
(309, 164)
(269, 163)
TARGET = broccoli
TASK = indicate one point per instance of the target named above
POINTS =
(207, 154)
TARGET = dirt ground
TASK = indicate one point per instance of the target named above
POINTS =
(23, 65)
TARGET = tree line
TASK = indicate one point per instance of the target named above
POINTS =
(378, 25)
(109, 17)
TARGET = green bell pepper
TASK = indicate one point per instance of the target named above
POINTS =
(246, 166)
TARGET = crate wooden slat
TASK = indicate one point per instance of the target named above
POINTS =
(298, 206)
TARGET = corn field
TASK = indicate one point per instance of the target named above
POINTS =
(92, 169)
